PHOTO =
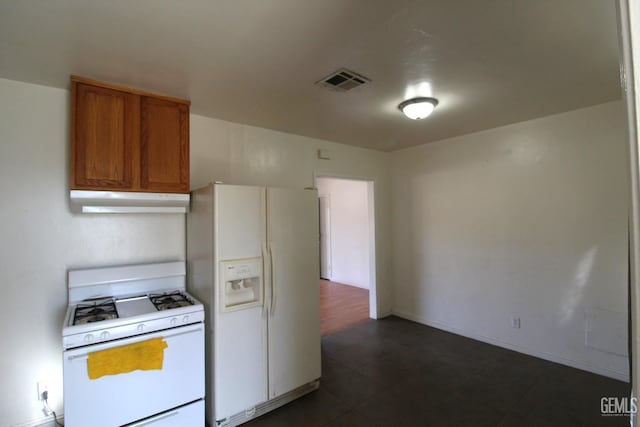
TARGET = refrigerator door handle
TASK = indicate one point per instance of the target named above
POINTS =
(264, 279)
(273, 282)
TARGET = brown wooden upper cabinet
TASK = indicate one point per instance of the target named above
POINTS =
(127, 140)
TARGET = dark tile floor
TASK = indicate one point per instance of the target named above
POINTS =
(393, 372)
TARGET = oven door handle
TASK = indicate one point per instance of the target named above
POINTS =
(86, 355)
(79, 357)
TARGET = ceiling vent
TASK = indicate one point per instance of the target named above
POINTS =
(343, 80)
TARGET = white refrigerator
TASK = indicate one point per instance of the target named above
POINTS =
(252, 256)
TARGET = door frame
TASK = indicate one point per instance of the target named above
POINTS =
(373, 282)
(325, 235)
(629, 36)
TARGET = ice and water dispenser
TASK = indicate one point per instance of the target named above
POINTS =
(241, 283)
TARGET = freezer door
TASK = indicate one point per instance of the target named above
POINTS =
(239, 330)
(294, 306)
(239, 221)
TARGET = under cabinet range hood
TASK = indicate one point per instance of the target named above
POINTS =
(84, 201)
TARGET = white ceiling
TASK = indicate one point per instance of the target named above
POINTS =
(489, 62)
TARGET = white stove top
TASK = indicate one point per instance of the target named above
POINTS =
(130, 290)
(136, 306)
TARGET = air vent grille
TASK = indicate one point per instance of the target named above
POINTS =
(343, 80)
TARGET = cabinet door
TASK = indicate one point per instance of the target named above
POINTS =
(105, 127)
(164, 146)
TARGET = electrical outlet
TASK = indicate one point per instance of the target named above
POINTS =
(515, 322)
(42, 387)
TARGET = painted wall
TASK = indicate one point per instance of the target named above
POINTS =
(40, 239)
(349, 226)
(528, 221)
(242, 154)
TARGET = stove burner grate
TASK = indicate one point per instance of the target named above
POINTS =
(169, 300)
(95, 312)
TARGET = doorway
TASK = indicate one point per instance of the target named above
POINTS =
(347, 251)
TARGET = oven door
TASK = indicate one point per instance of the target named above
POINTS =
(114, 400)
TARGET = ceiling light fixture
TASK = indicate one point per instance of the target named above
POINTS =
(418, 108)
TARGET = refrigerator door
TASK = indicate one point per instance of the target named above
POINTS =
(240, 336)
(294, 306)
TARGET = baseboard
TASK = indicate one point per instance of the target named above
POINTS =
(42, 422)
(268, 406)
(386, 313)
(622, 376)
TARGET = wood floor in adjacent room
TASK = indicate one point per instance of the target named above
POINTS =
(341, 306)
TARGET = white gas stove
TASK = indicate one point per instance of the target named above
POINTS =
(119, 307)
(106, 304)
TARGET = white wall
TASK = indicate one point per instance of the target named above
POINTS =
(40, 239)
(527, 220)
(349, 229)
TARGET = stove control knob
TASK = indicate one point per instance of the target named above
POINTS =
(141, 327)
(185, 319)
(104, 335)
(88, 338)
(174, 322)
